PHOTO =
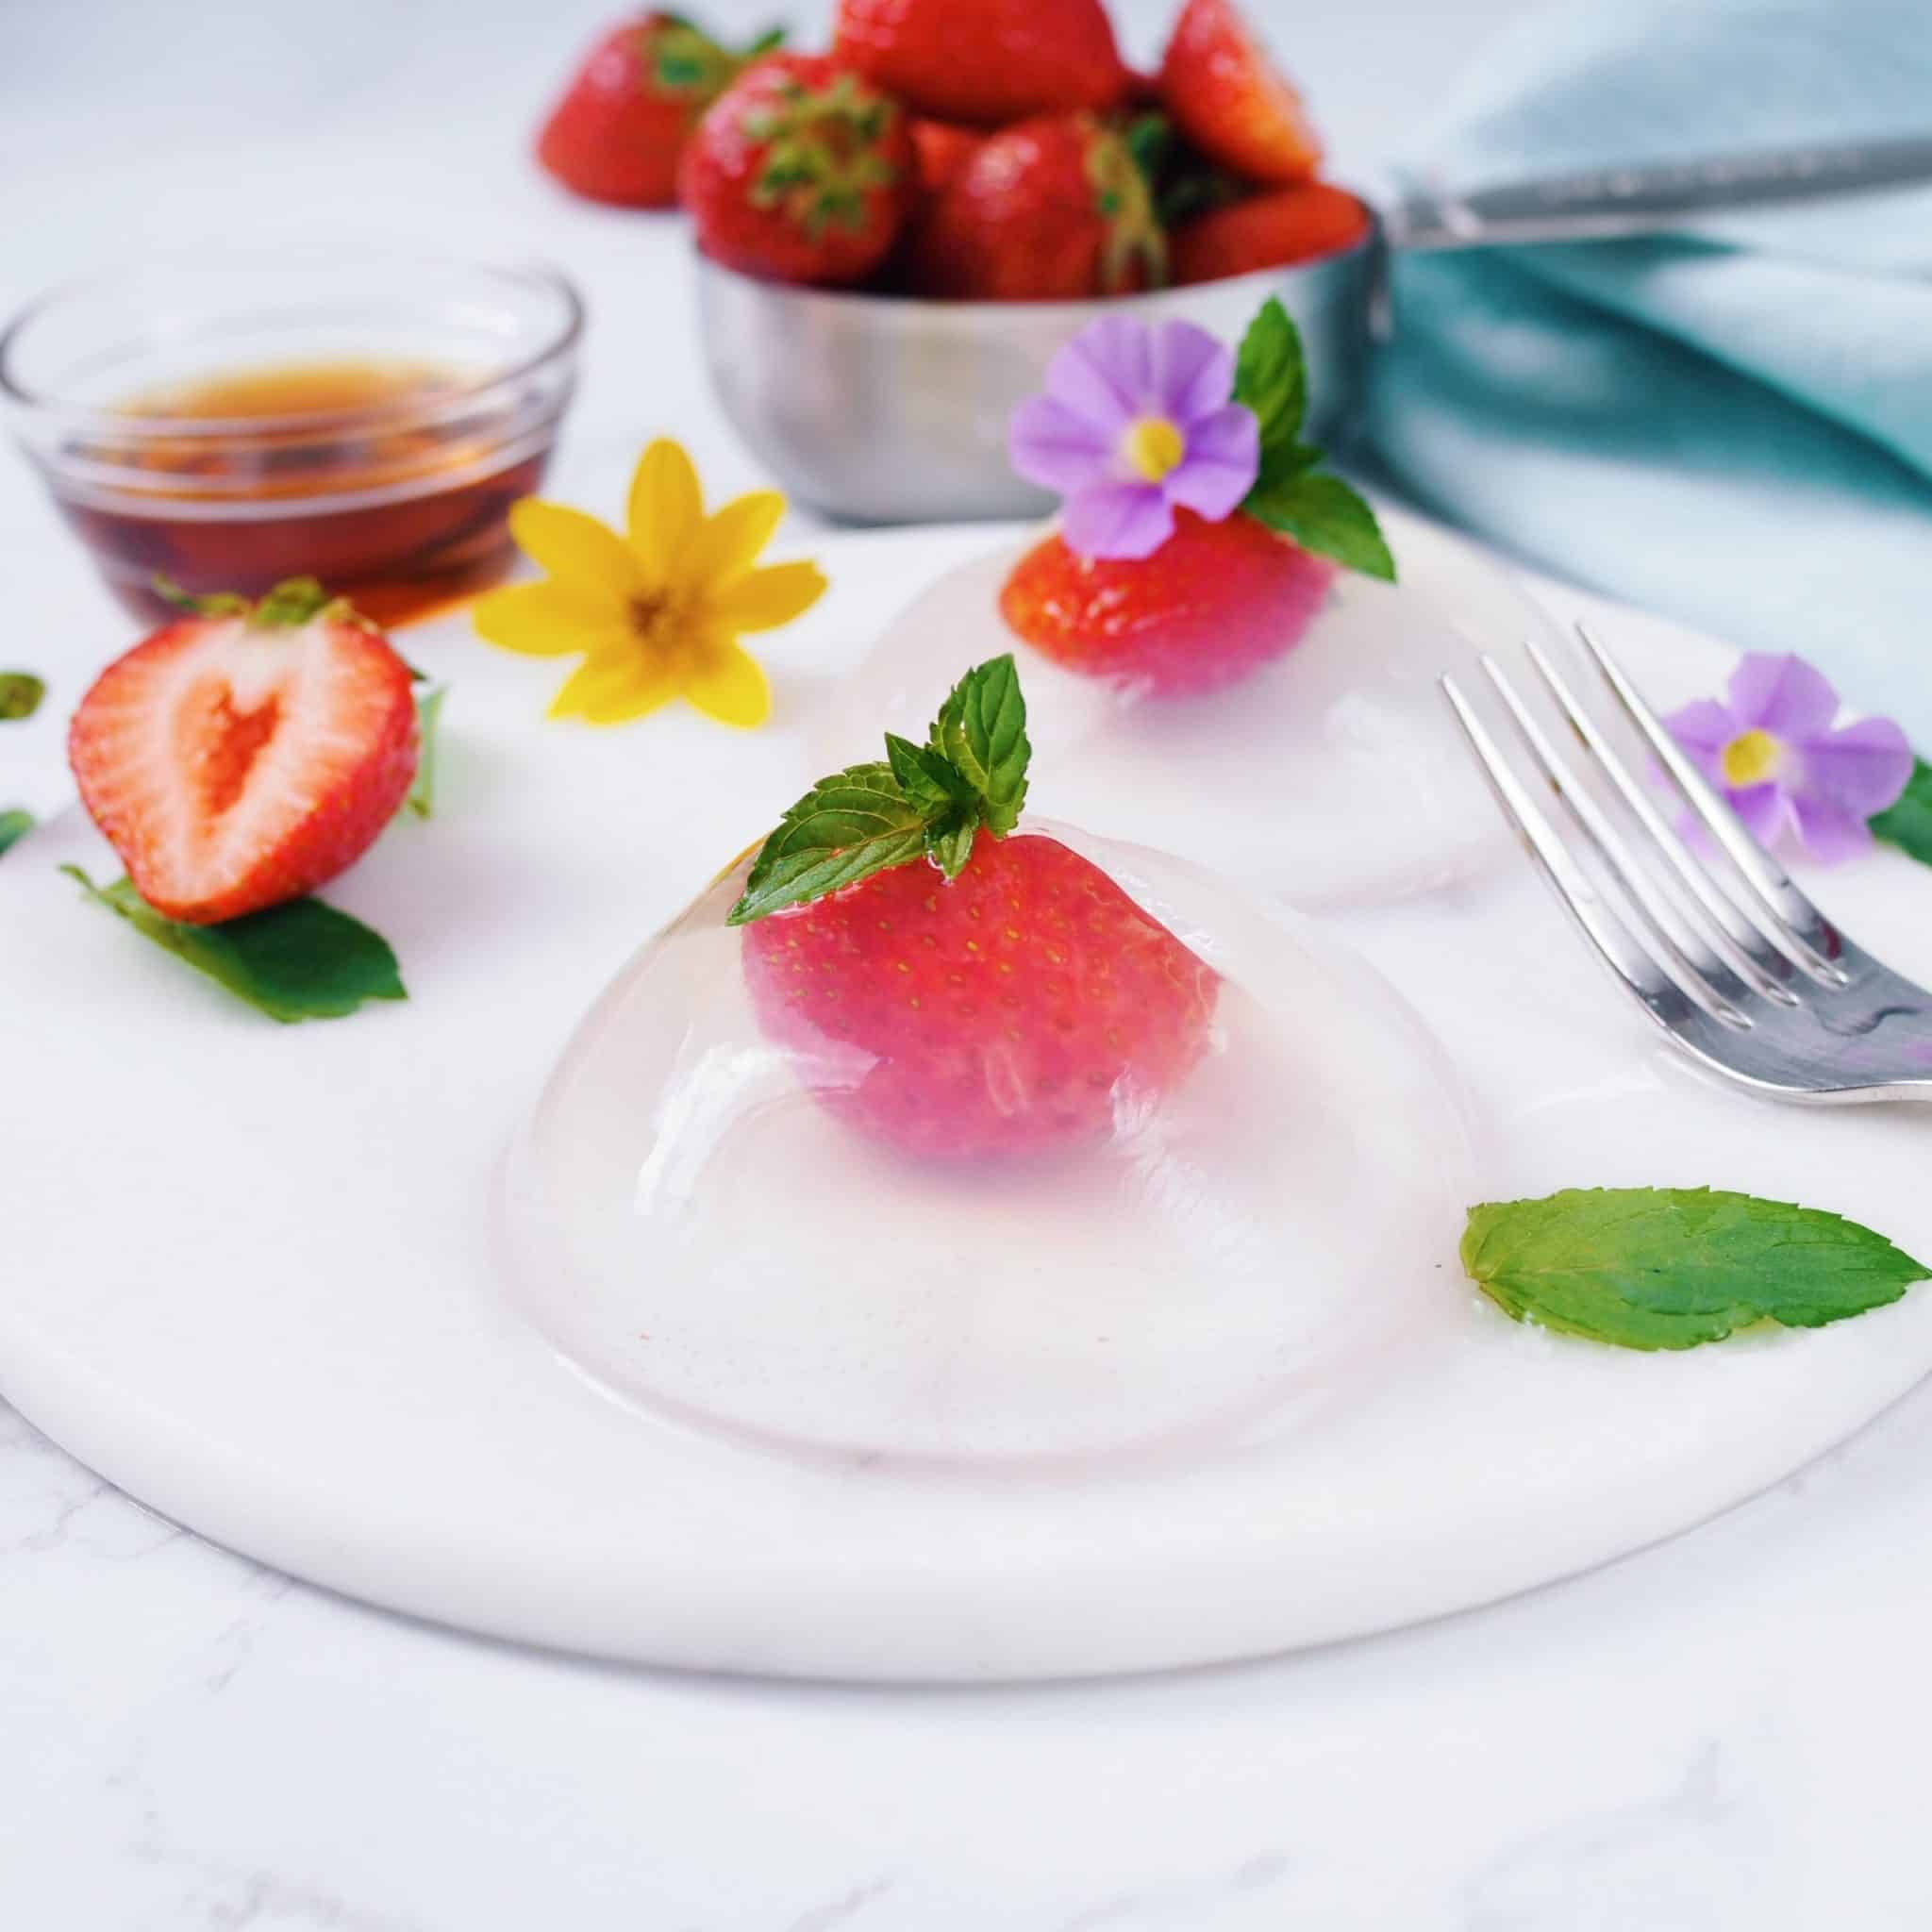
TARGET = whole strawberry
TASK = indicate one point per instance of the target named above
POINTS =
(952, 987)
(987, 63)
(802, 170)
(248, 753)
(1269, 230)
(617, 133)
(1054, 209)
(1228, 99)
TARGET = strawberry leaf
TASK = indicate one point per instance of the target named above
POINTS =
(1271, 378)
(981, 731)
(1908, 824)
(14, 826)
(1324, 515)
(845, 828)
(422, 798)
(299, 961)
(1673, 1267)
(21, 693)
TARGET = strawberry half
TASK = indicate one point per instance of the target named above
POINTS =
(1212, 605)
(1228, 99)
(617, 133)
(1054, 209)
(247, 754)
(954, 992)
(989, 63)
(802, 170)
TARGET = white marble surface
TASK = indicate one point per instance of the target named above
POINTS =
(1724, 1732)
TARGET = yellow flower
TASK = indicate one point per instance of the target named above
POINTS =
(657, 616)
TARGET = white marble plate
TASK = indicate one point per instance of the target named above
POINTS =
(251, 1273)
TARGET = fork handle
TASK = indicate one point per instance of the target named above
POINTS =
(1649, 197)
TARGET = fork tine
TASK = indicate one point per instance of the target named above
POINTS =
(1811, 938)
(1666, 1002)
(1681, 952)
(1745, 947)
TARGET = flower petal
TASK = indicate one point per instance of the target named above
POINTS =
(1117, 520)
(573, 547)
(727, 683)
(1223, 456)
(666, 508)
(1059, 448)
(613, 670)
(1103, 374)
(767, 597)
(1193, 372)
(1765, 813)
(619, 700)
(1783, 695)
(1864, 767)
(1829, 832)
(728, 542)
(547, 619)
(1704, 729)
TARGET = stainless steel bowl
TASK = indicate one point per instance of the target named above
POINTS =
(887, 409)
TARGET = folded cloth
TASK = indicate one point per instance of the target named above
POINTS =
(1733, 424)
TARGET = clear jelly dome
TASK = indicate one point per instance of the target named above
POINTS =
(1332, 774)
(700, 1234)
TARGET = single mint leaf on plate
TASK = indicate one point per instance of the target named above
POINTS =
(926, 778)
(845, 828)
(422, 798)
(21, 693)
(14, 826)
(299, 961)
(1324, 515)
(1271, 378)
(981, 731)
(1908, 824)
(1672, 1267)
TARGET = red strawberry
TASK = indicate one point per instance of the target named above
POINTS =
(246, 755)
(1214, 603)
(1270, 230)
(987, 63)
(801, 171)
(943, 149)
(617, 133)
(1227, 98)
(1054, 209)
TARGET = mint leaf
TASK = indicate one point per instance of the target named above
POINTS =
(422, 798)
(1908, 824)
(299, 961)
(14, 826)
(1271, 376)
(981, 731)
(21, 693)
(927, 779)
(845, 828)
(949, 845)
(1324, 515)
(1670, 1268)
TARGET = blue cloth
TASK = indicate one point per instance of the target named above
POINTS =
(1734, 426)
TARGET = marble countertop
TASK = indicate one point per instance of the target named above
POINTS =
(1719, 1733)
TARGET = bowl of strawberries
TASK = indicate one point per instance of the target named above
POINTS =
(896, 237)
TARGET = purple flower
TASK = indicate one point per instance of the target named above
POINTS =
(1135, 421)
(1771, 748)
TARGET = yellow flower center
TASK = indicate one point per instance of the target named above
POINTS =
(1750, 758)
(1153, 446)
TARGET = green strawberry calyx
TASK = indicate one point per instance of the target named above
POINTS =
(288, 607)
(1317, 511)
(821, 162)
(682, 59)
(929, 801)
(1119, 167)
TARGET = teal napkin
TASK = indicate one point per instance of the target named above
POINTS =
(1733, 425)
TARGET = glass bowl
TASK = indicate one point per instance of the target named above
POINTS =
(223, 425)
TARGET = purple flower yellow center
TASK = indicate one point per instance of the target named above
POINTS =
(1752, 757)
(1153, 446)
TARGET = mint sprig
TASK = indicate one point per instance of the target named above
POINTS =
(14, 826)
(928, 800)
(1317, 511)
(1908, 824)
(21, 693)
(1656, 1268)
(299, 961)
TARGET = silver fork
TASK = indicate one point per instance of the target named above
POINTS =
(1740, 970)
